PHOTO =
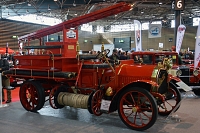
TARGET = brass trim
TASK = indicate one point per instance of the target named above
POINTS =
(121, 68)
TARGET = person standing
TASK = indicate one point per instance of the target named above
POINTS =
(114, 58)
(4, 65)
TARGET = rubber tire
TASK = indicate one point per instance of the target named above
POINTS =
(39, 92)
(173, 86)
(152, 101)
(62, 88)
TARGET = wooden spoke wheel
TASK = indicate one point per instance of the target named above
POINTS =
(51, 97)
(90, 102)
(137, 108)
(32, 96)
(172, 99)
(54, 95)
(96, 102)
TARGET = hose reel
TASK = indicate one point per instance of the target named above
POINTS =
(73, 100)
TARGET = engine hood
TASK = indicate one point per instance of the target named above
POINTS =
(135, 70)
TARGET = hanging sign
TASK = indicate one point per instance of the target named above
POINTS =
(154, 30)
(138, 38)
(179, 5)
(180, 35)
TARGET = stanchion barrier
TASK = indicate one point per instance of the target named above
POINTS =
(1, 89)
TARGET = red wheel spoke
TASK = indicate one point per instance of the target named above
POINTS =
(169, 104)
(141, 119)
(132, 98)
(96, 102)
(135, 117)
(129, 115)
(146, 115)
(127, 101)
(95, 106)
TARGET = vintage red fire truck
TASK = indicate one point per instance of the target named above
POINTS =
(58, 72)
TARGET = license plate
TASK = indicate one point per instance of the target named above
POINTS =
(105, 105)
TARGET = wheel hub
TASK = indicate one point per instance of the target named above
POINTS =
(29, 96)
(135, 109)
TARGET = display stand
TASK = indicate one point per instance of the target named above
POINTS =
(188, 92)
(1, 89)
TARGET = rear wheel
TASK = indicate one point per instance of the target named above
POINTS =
(171, 102)
(137, 108)
(54, 96)
(32, 96)
(96, 102)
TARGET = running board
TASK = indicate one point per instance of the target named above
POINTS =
(193, 87)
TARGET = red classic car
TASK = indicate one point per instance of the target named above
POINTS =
(181, 68)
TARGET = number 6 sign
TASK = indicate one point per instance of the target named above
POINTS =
(179, 4)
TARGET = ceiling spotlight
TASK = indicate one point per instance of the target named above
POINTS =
(160, 3)
(29, 4)
(190, 16)
(55, 0)
(74, 4)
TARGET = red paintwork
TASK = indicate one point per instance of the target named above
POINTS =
(39, 72)
(193, 79)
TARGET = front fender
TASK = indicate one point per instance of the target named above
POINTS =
(143, 84)
(152, 83)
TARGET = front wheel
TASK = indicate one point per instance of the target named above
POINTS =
(137, 108)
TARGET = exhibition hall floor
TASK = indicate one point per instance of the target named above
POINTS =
(15, 119)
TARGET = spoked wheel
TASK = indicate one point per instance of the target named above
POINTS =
(137, 108)
(32, 96)
(51, 97)
(171, 102)
(96, 102)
